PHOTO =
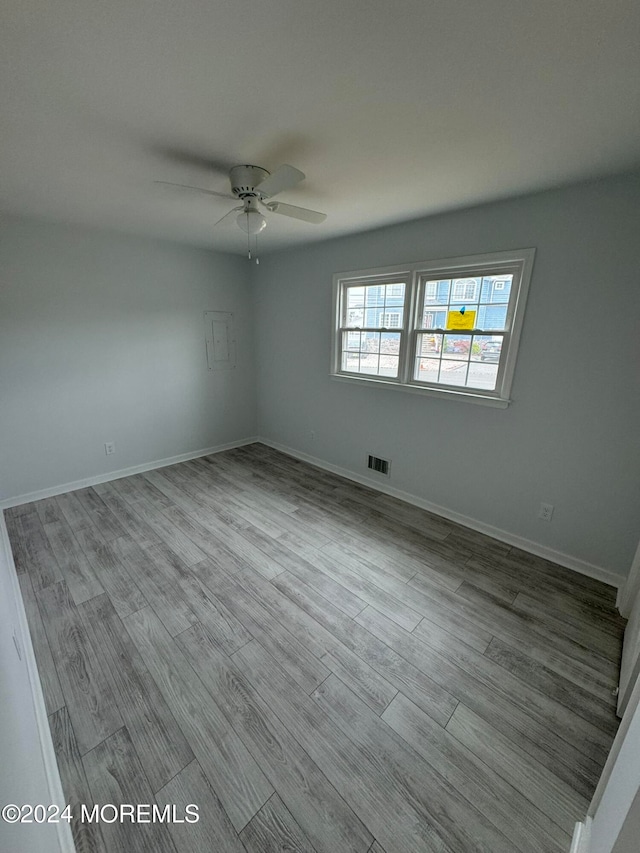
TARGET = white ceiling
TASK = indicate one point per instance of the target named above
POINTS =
(393, 109)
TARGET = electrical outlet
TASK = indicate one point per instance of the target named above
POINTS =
(545, 512)
(312, 434)
(109, 447)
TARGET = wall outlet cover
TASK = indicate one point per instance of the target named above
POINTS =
(545, 512)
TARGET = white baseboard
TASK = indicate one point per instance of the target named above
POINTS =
(50, 765)
(123, 472)
(567, 560)
(580, 843)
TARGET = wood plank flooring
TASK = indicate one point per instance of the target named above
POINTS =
(316, 666)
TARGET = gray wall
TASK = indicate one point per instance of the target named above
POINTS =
(569, 438)
(102, 339)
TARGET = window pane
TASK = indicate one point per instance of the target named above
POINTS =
(351, 362)
(482, 375)
(429, 346)
(489, 350)
(390, 343)
(370, 342)
(389, 366)
(371, 316)
(394, 292)
(355, 297)
(355, 317)
(433, 319)
(437, 292)
(370, 363)
(477, 345)
(465, 290)
(492, 317)
(351, 341)
(457, 347)
(453, 372)
(496, 288)
(426, 369)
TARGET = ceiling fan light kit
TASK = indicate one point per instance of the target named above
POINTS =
(252, 185)
(251, 220)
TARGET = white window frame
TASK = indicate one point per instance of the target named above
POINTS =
(518, 263)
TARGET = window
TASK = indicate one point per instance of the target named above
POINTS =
(371, 351)
(443, 327)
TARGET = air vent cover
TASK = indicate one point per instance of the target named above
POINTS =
(380, 466)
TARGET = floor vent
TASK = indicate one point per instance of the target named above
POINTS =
(381, 466)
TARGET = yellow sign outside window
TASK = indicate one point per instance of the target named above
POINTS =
(461, 320)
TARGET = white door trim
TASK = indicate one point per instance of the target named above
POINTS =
(50, 765)
(581, 840)
(631, 587)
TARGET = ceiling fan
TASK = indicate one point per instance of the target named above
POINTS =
(253, 185)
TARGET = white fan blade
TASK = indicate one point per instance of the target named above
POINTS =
(297, 212)
(282, 179)
(228, 213)
(198, 189)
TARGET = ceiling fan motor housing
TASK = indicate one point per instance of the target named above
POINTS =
(245, 180)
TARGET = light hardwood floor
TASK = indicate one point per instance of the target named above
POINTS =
(317, 666)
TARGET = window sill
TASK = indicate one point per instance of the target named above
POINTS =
(443, 393)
